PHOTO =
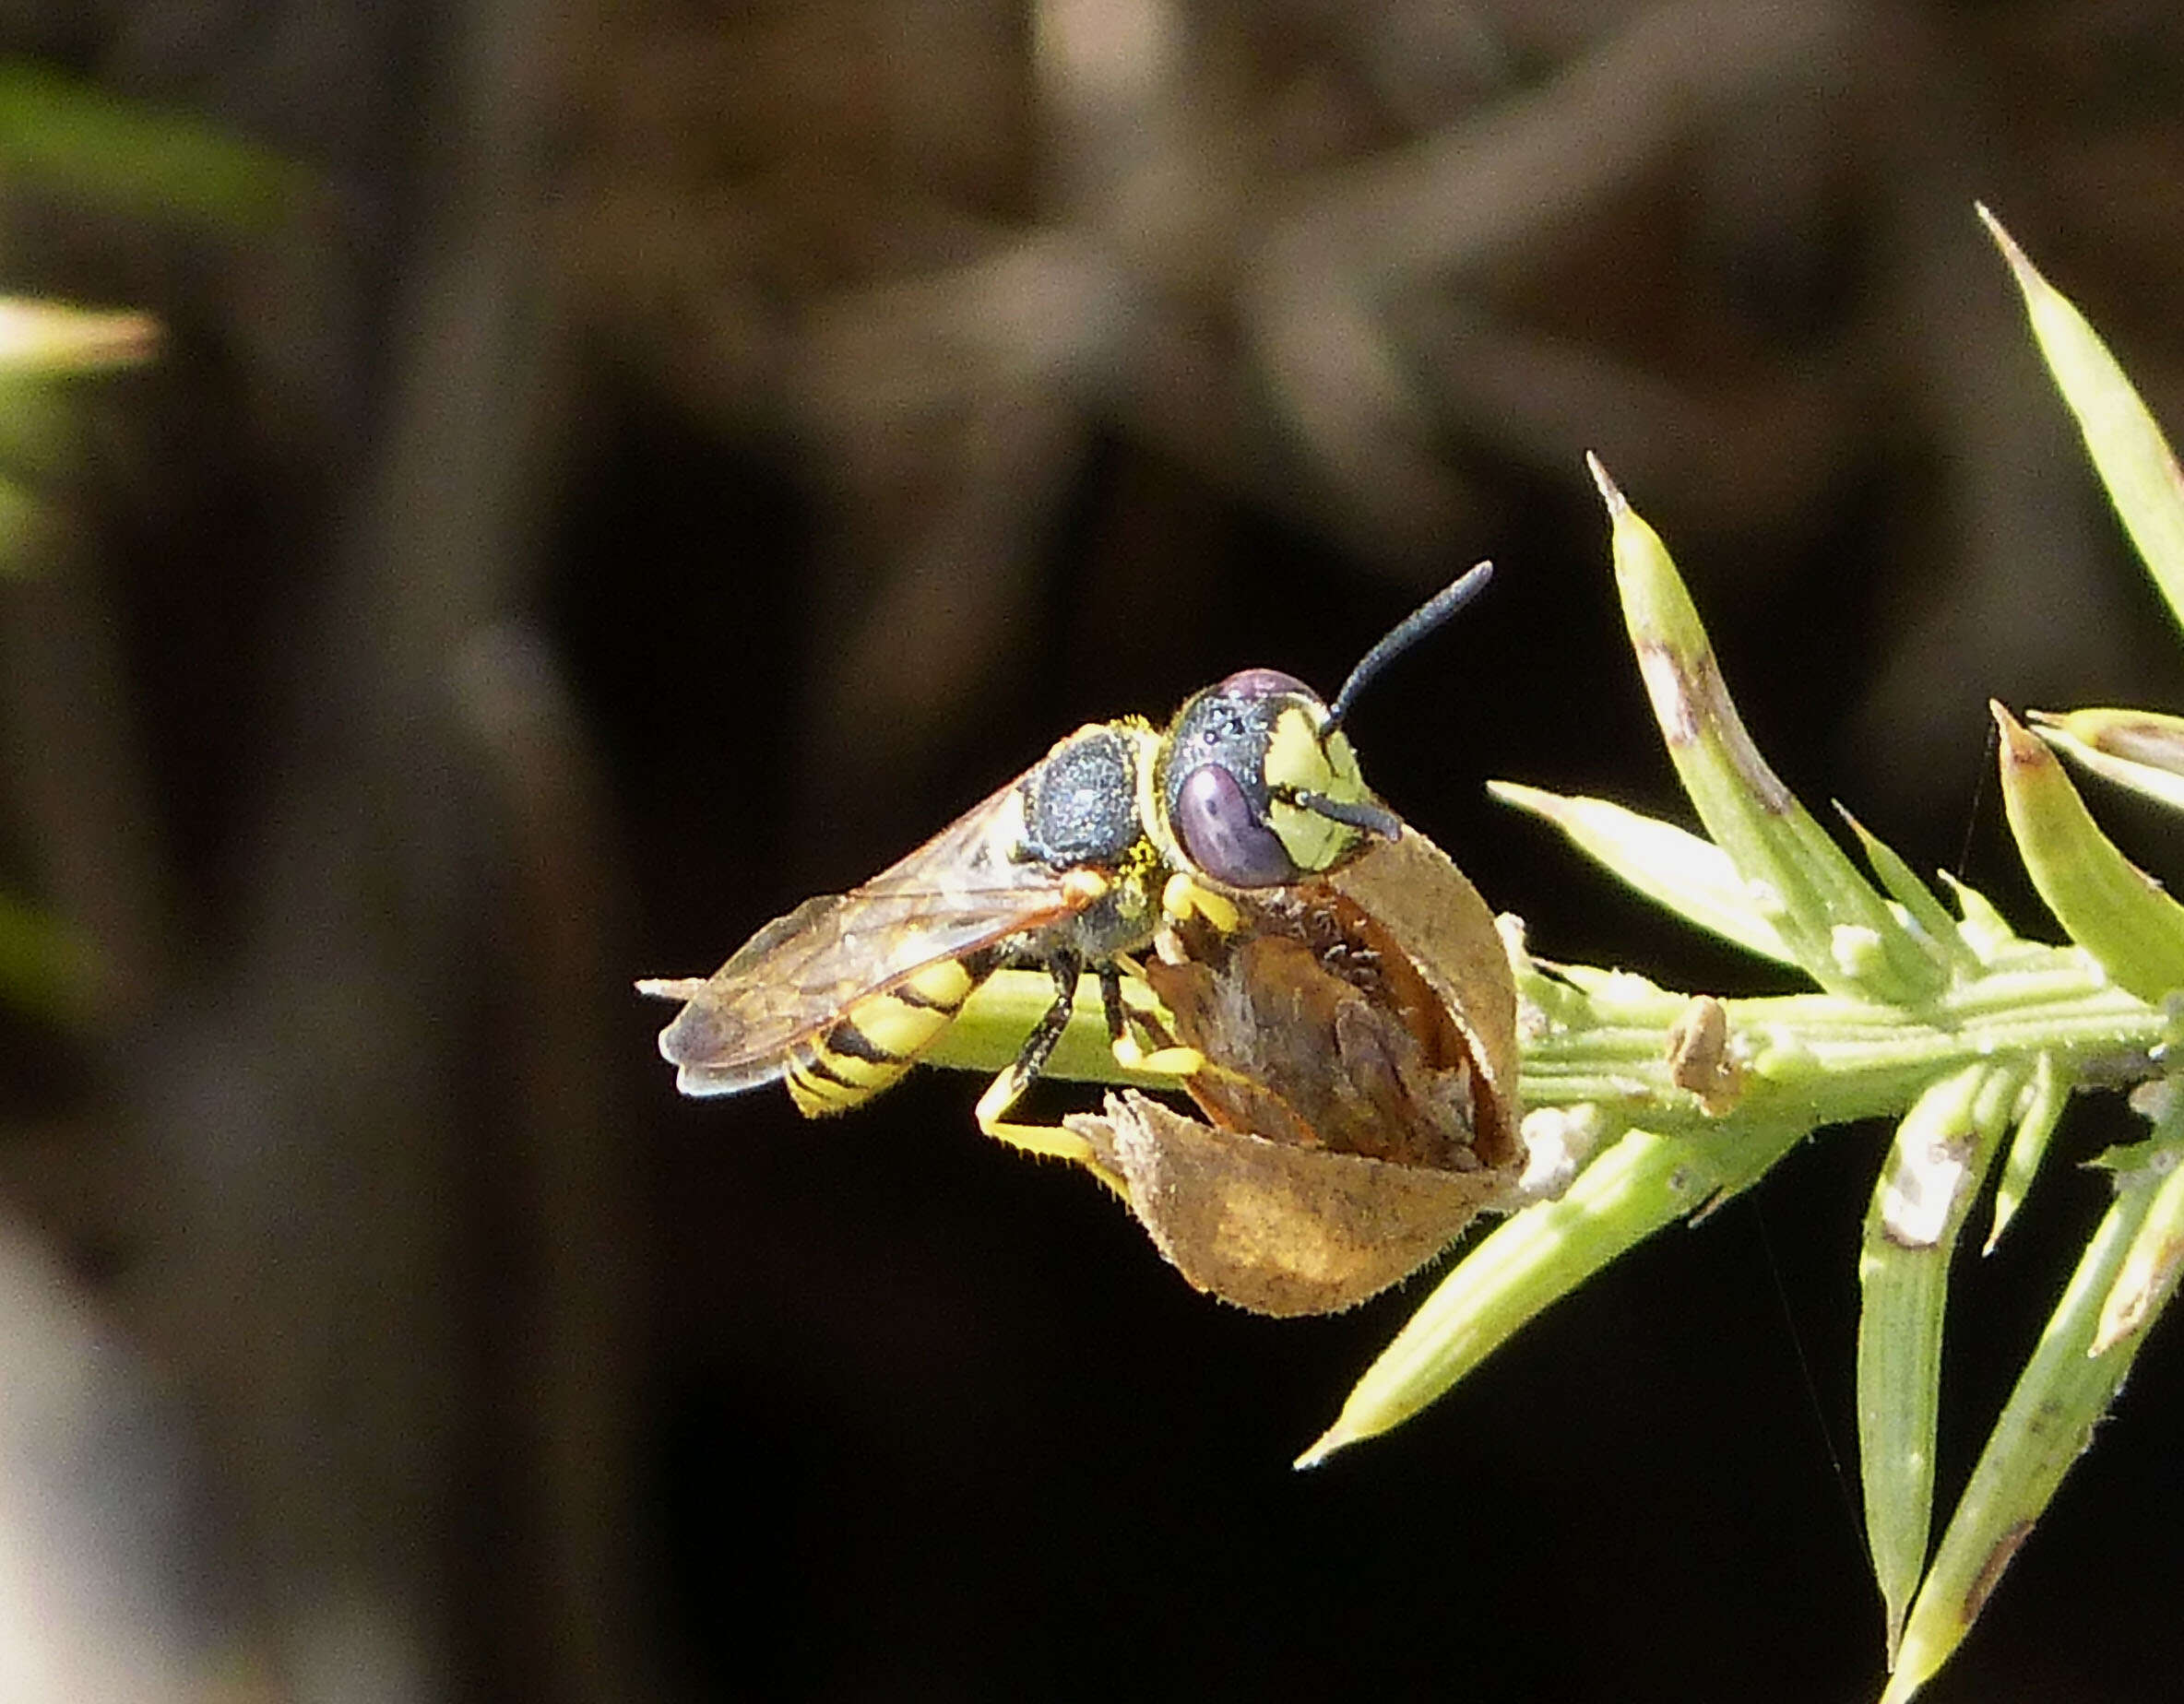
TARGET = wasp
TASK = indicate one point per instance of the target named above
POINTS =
(1070, 867)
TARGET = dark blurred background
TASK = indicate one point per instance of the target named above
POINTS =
(641, 465)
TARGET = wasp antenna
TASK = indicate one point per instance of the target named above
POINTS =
(1405, 633)
(1374, 820)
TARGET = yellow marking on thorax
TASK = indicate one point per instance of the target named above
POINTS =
(1147, 757)
(1137, 880)
(1084, 887)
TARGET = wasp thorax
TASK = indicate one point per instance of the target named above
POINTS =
(1249, 766)
(1080, 805)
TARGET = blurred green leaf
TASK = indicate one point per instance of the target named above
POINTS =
(46, 337)
(46, 968)
(76, 137)
(26, 528)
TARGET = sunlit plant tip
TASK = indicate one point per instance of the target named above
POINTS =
(2141, 750)
(1771, 839)
(2104, 901)
(2133, 459)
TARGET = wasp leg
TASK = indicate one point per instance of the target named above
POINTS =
(1008, 1088)
(1182, 897)
(1147, 1020)
(1168, 1058)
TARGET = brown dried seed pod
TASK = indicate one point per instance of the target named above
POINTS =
(1359, 1108)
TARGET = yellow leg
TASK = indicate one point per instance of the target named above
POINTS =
(1176, 1060)
(1166, 1058)
(1183, 897)
(1048, 1141)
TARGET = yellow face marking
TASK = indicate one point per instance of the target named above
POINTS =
(1297, 758)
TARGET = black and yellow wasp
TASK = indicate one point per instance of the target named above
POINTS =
(1071, 867)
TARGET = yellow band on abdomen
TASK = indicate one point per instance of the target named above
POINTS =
(873, 1044)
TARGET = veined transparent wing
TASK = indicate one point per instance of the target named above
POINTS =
(966, 888)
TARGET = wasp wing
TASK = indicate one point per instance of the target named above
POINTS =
(969, 886)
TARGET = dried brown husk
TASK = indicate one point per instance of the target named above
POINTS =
(1359, 1109)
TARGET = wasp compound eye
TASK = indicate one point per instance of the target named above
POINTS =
(1214, 820)
(1262, 683)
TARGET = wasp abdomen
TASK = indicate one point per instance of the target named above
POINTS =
(872, 1044)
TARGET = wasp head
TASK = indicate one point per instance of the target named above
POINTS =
(1259, 787)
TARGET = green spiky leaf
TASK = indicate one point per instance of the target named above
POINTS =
(2133, 459)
